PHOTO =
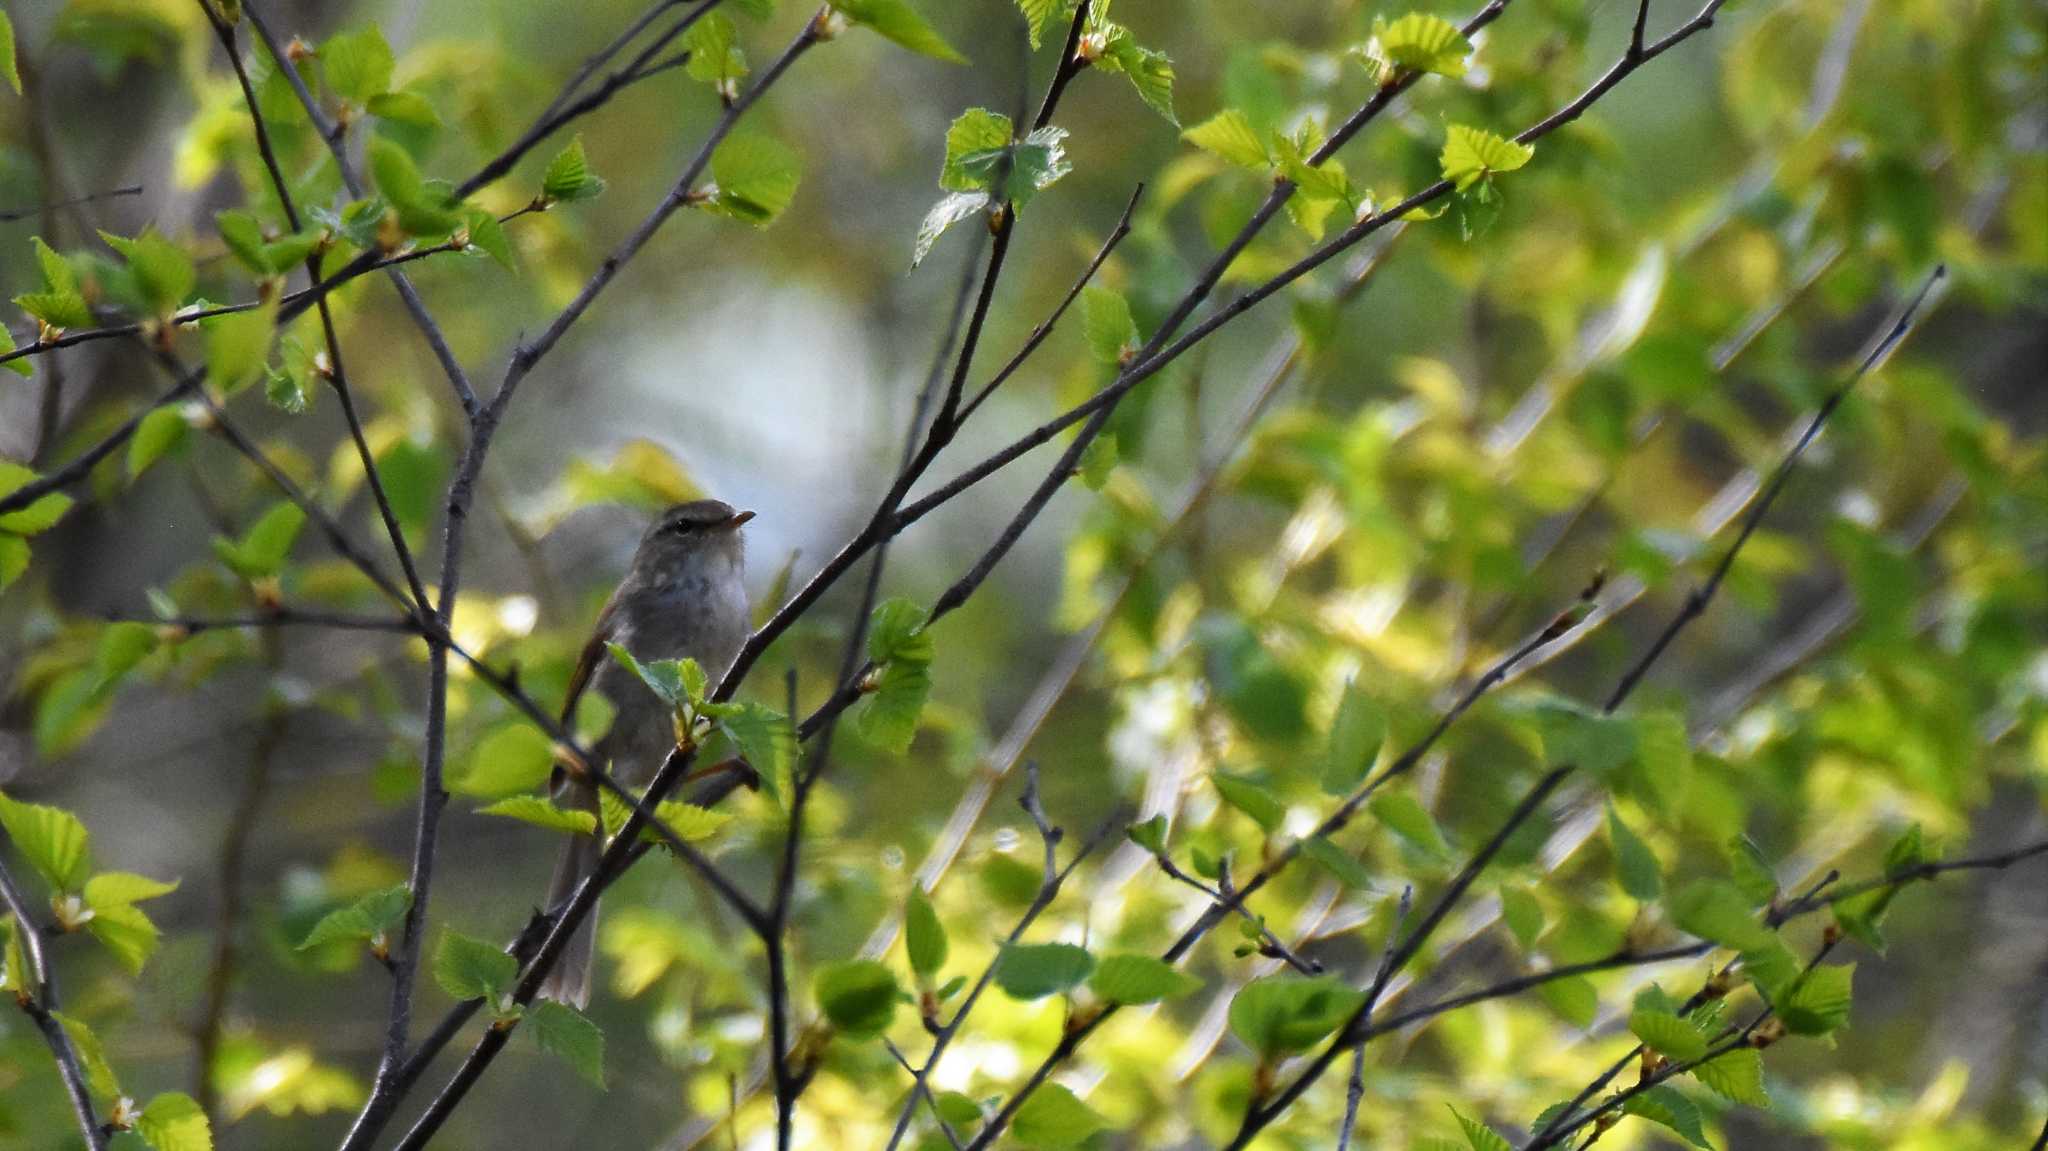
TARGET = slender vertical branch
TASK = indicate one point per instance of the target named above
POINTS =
(40, 1004)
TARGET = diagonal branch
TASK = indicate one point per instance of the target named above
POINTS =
(40, 1004)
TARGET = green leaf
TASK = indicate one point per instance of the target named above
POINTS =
(1055, 1117)
(1591, 741)
(19, 367)
(8, 68)
(974, 133)
(897, 20)
(1405, 816)
(1150, 835)
(1819, 1002)
(39, 516)
(1107, 325)
(238, 345)
(1230, 136)
(757, 177)
(1098, 461)
(1355, 737)
(1130, 979)
(888, 716)
(1337, 862)
(666, 678)
(1640, 874)
(767, 739)
(424, 208)
(174, 1122)
(14, 556)
(1283, 1014)
(513, 759)
(1665, 1105)
(1480, 1136)
(1573, 997)
(1750, 871)
(243, 234)
(99, 1074)
(372, 915)
(470, 968)
(858, 996)
(162, 271)
(1472, 154)
(1035, 970)
(924, 937)
(1251, 798)
(121, 888)
(1716, 911)
(943, 215)
(1417, 42)
(1039, 13)
(896, 633)
(1668, 1035)
(691, 823)
(122, 645)
(53, 841)
(563, 1031)
(715, 56)
(1150, 71)
(357, 64)
(124, 930)
(404, 107)
(58, 275)
(161, 431)
(1523, 915)
(487, 235)
(57, 309)
(263, 549)
(1737, 1076)
(541, 813)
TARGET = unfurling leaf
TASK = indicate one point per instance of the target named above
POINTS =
(53, 841)
(1417, 42)
(372, 915)
(568, 177)
(1472, 154)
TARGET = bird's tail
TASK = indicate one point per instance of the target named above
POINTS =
(569, 981)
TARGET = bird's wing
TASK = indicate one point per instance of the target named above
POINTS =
(586, 663)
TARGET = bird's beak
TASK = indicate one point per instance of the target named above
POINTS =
(737, 519)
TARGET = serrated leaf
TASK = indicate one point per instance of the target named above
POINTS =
(563, 1031)
(1150, 71)
(1668, 1035)
(1039, 13)
(541, 813)
(664, 677)
(943, 215)
(1035, 970)
(19, 367)
(973, 136)
(1479, 1135)
(858, 996)
(924, 937)
(1819, 1002)
(470, 968)
(757, 177)
(1106, 324)
(691, 823)
(1640, 874)
(1418, 42)
(53, 841)
(124, 930)
(1054, 1117)
(768, 741)
(1250, 798)
(1665, 1105)
(1737, 1076)
(99, 1074)
(57, 309)
(378, 913)
(1283, 1014)
(1472, 154)
(897, 20)
(357, 65)
(487, 235)
(1230, 136)
(1715, 911)
(162, 271)
(174, 1122)
(888, 716)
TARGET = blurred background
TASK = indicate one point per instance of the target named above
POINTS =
(1440, 457)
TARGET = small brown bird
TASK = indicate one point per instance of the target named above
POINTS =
(685, 597)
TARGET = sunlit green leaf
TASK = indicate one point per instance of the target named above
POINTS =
(858, 996)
